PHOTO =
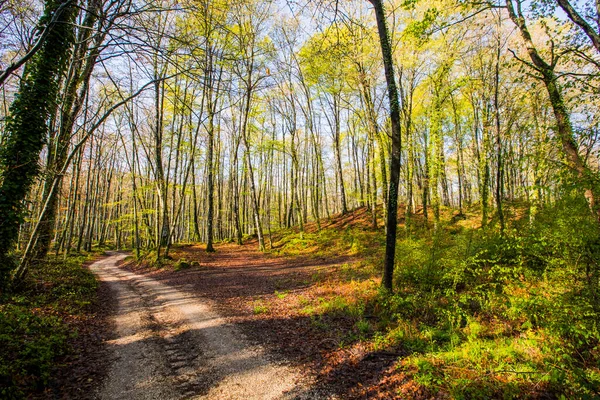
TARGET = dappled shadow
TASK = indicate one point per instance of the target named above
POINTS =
(78, 373)
(171, 345)
(192, 371)
(341, 364)
(233, 277)
(244, 286)
(235, 271)
(183, 365)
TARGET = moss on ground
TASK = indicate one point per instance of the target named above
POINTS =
(35, 328)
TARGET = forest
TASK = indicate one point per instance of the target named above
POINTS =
(428, 171)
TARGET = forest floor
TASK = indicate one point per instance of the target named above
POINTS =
(476, 314)
(270, 298)
(232, 324)
(256, 293)
(307, 319)
(169, 343)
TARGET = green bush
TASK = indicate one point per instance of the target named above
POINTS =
(182, 264)
(490, 314)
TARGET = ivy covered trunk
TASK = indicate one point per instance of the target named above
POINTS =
(27, 124)
(76, 85)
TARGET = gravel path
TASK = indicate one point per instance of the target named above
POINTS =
(170, 345)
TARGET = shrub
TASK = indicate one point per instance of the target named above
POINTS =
(182, 264)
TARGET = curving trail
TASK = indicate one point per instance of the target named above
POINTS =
(170, 345)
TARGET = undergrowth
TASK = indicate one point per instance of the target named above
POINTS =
(34, 328)
(476, 313)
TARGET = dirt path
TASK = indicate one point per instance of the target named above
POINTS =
(170, 345)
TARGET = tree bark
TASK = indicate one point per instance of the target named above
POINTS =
(392, 206)
(26, 127)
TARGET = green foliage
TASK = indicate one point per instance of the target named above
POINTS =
(182, 264)
(30, 344)
(520, 309)
(420, 29)
(481, 314)
(329, 59)
(149, 258)
(33, 332)
(26, 126)
(260, 308)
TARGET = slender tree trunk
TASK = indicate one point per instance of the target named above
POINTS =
(392, 215)
(499, 156)
(338, 155)
(253, 192)
(210, 177)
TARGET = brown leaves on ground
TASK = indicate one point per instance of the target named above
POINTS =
(264, 294)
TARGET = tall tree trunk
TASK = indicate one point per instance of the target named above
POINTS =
(392, 207)
(253, 192)
(499, 156)
(210, 176)
(76, 87)
(213, 81)
(338, 155)
(26, 127)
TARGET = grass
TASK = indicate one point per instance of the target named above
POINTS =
(35, 327)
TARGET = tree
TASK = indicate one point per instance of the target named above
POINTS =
(585, 20)
(252, 50)
(75, 89)
(27, 126)
(564, 128)
(325, 66)
(392, 204)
